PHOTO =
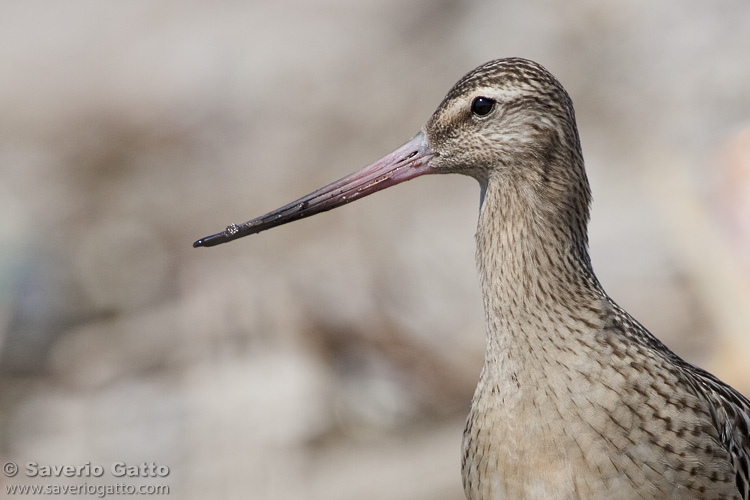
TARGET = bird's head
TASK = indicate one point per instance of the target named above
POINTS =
(509, 120)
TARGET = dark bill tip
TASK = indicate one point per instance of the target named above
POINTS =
(210, 241)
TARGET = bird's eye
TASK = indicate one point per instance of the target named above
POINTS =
(482, 105)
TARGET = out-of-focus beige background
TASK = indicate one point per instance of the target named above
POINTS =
(333, 358)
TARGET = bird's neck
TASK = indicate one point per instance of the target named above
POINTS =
(537, 284)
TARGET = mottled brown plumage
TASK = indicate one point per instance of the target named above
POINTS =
(576, 400)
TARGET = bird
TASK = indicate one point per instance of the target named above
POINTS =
(576, 399)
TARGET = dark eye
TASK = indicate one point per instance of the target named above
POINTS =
(482, 105)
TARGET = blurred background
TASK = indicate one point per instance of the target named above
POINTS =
(334, 358)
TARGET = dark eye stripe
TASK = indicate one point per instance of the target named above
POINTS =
(482, 106)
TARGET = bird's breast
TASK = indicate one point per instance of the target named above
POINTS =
(583, 423)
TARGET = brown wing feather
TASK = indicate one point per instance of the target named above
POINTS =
(730, 411)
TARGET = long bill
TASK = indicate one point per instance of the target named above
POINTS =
(409, 161)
